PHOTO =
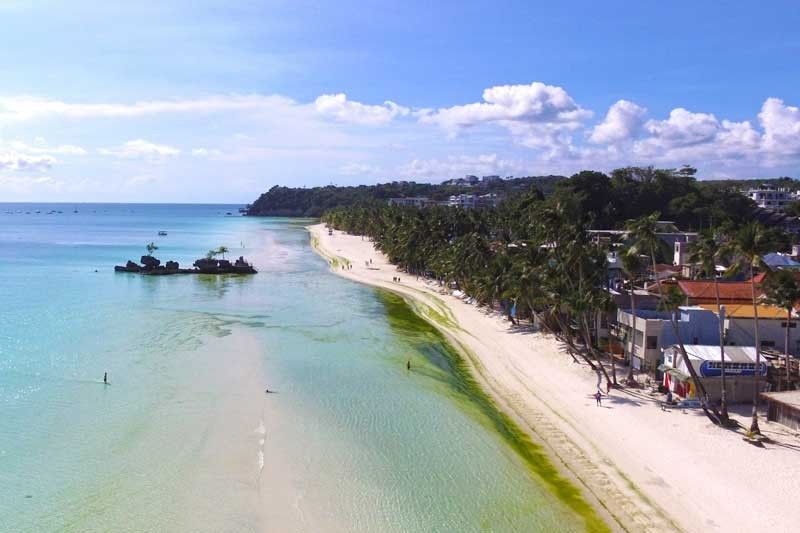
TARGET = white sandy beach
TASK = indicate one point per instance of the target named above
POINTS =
(652, 470)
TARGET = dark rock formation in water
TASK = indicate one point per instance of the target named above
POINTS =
(223, 266)
(152, 267)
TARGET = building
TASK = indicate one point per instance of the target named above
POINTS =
(412, 201)
(463, 201)
(739, 327)
(699, 292)
(666, 231)
(783, 408)
(780, 261)
(740, 371)
(653, 332)
(472, 201)
(491, 179)
(771, 198)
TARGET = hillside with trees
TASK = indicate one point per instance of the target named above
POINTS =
(313, 202)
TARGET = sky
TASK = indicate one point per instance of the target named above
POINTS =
(198, 101)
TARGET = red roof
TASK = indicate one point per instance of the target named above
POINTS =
(728, 290)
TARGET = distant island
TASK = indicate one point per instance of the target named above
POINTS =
(150, 266)
(313, 202)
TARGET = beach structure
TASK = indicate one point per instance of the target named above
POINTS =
(783, 408)
(653, 333)
(740, 371)
(739, 326)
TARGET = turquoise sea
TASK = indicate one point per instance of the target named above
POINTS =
(185, 438)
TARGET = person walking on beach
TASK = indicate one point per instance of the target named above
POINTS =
(598, 396)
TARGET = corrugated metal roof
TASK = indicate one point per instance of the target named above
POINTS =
(733, 354)
(746, 311)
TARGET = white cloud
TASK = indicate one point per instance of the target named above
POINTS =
(360, 169)
(199, 152)
(536, 103)
(30, 107)
(781, 125)
(140, 148)
(41, 148)
(623, 122)
(457, 166)
(25, 162)
(338, 107)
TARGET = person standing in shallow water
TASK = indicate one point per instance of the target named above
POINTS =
(105, 378)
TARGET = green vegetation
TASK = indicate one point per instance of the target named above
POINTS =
(302, 202)
(534, 258)
(151, 247)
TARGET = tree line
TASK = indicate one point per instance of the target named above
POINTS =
(534, 258)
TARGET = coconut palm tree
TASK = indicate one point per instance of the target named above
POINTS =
(222, 250)
(643, 237)
(705, 251)
(151, 247)
(746, 247)
(782, 290)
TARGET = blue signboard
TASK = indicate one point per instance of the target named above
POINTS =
(712, 369)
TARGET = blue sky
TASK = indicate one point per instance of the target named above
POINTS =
(218, 101)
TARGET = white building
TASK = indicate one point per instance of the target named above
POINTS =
(771, 198)
(412, 201)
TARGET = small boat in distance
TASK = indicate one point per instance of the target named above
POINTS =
(162, 232)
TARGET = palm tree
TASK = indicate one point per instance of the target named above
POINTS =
(222, 250)
(642, 233)
(746, 246)
(782, 290)
(151, 247)
(704, 252)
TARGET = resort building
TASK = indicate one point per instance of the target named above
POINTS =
(472, 201)
(771, 198)
(740, 371)
(645, 338)
(412, 201)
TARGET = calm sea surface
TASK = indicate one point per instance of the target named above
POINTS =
(184, 438)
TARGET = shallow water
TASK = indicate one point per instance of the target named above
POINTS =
(184, 438)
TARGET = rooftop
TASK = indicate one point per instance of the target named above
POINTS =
(733, 354)
(746, 311)
(790, 398)
(728, 290)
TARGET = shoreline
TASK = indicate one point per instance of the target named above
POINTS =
(639, 470)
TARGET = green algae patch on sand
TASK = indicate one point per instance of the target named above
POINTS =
(454, 370)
